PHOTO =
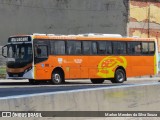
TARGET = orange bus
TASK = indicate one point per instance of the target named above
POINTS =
(97, 57)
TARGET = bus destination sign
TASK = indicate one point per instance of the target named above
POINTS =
(19, 39)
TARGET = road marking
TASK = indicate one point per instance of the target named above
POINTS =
(78, 90)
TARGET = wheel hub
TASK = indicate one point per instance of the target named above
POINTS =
(120, 76)
(57, 78)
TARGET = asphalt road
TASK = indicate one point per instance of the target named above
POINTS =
(17, 87)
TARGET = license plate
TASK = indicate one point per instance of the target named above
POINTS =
(15, 75)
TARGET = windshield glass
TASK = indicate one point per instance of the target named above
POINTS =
(22, 52)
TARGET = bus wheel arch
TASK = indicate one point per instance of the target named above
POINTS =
(120, 75)
(57, 76)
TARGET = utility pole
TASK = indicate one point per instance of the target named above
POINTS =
(148, 21)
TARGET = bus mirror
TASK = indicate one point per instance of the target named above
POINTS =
(4, 51)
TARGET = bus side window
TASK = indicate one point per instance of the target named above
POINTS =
(123, 48)
(73, 47)
(138, 49)
(134, 48)
(108, 47)
(59, 47)
(130, 48)
(94, 48)
(86, 47)
(78, 47)
(145, 48)
(119, 48)
(70, 47)
(102, 47)
(52, 47)
(151, 48)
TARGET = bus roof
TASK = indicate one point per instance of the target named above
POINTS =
(87, 36)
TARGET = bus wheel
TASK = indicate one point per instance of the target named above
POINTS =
(33, 82)
(57, 77)
(120, 76)
(97, 81)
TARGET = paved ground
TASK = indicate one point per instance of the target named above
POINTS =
(129, 80)
(22, 87)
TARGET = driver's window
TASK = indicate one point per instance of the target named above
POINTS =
(41, 51)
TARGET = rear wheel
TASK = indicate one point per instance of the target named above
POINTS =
(120, 76)
(97, 81)
(57, 77)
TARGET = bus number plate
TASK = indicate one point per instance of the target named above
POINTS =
(15, 75)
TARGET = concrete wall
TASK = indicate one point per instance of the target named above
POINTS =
(135, 98)
(62, 17)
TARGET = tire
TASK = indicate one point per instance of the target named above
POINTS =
(33, 82)
(120, 76)
(97, 81)
(113, 80)
(57, 77)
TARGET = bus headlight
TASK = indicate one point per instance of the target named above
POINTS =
(28, 69)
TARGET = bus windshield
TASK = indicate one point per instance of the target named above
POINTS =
(20, 52)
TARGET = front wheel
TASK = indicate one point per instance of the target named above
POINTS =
(97, 81)
(57, 77)
(120, 76)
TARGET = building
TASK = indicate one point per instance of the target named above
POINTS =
(145, 19)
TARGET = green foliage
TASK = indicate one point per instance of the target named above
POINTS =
(2, 72)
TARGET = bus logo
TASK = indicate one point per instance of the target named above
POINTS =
(78, 60)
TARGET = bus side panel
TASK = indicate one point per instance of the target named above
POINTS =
(43, 70)
(93, 62)
(73, 64)
(108, 65)
(76, 67)
(101, 67)
(84, 67)
(142, 65)
(133, 65)
(128, 68)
